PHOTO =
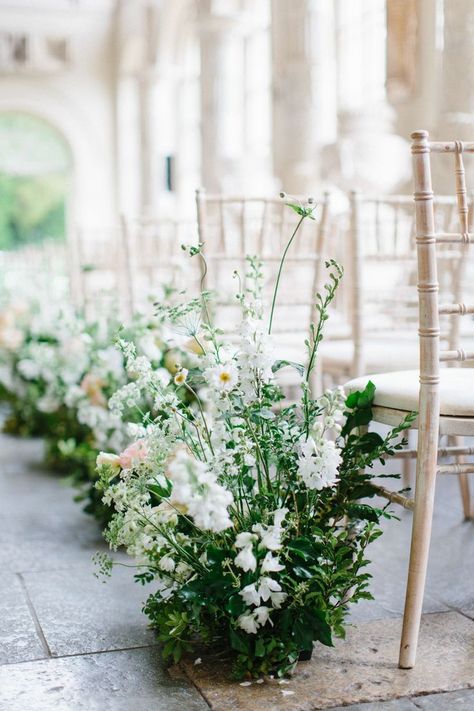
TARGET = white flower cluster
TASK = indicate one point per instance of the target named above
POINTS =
(319, 458)
(318, 463)
(255, 357)
(266, 589)
(197, 492)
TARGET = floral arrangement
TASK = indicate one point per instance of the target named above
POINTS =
(22, 328)
(249, 518)
(58, 373)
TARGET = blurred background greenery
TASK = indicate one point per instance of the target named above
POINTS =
(35, 169)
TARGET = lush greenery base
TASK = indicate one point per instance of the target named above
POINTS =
(324, 568)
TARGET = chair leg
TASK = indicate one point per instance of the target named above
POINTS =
(463, 484)
(465, 495)
(419, 552)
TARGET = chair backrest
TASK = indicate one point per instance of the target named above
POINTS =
(381, 278)
(429, 241)
(103, 278)
(37, 271)
(234, 226)
(154, 257)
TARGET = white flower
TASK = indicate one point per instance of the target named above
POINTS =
(262, 615)
(267, 588)
(248, 623)
(249, 460)
(251, 621)
(270, 564)
(318, 465)
(195, 487)
(246, 559)
(250, 595)
(271, 535)
(148, 346)
(167, 564)
(180, 377)
(223, 376)
(48, 404)
(244, 539)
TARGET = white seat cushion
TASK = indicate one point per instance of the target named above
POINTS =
(380, 355)
(399, 390)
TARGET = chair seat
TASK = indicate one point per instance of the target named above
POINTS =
(399, 390)
(380, 355)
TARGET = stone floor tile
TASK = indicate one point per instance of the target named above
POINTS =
(394, 705)
(80, 614)
(19, 640)
(362, 668)
(455, 701)
(115, 681)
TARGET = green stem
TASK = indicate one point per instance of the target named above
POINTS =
(208, 434)
(280, 269)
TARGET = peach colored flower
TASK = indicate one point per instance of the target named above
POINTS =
(134, 454)
(92, 386)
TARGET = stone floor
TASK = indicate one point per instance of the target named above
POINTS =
(68, 641)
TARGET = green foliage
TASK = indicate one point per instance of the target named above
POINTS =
(31, 209)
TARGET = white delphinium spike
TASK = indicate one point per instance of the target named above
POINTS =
(195, 487)
(318, 463)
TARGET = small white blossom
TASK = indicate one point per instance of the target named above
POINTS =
(246, 559)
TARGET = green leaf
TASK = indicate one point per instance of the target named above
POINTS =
(279, 364)
(263, 414)
(239, 642)
(367, 395)
(297, 208)
(302, 572)
(259, 647)
(304, 548)
(363, 512)
(159, 490)
(235, 606)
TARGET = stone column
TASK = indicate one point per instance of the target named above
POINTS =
(147, 143)
(370, 155)
(222, 124)
(136, 134)
(456, 101)
(304, 80)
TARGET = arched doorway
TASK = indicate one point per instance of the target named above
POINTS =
(35, 180)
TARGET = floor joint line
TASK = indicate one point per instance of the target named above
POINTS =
(34, 617)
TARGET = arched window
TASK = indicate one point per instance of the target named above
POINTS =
(35, 167)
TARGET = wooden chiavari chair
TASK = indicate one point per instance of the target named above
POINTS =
(443, 397)
(232, 227)
(37, 272)
(379, 287)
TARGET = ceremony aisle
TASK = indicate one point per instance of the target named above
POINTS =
(67, 641)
